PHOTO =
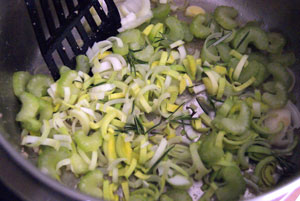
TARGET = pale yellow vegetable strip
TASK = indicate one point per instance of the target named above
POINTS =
(131, 168)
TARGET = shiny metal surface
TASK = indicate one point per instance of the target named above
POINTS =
(19, 51)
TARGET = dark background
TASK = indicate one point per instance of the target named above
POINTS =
(6, 194)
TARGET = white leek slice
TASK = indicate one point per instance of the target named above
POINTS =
(159, 152)
(101, 67)
(84, 156)
(115, 175)
(199, 88)
(94, 158)
(114, 163)
(62, 163)
(177, 44)
(97, 95)
(182, 53)
(239, 67)
(256, 106)
(65, 138)
(83, 119)
(136, 23)
(88, 111)
(67, 94)
(179, 181)
(116, 64)
(31, 140)
(113, 102)
(118, 40)
(102, 88)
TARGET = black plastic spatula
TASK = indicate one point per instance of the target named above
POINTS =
(55, 21)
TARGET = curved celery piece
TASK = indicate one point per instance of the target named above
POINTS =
(91, 183)
(63, 69)
(49, 158)
(120, 50)
(259, 57)
(30, 107)
(235, 125)
(225, 16)
(260, 166)
(188, 36)
(235, 185)
(286, 59)
(208, 151)
(66, 80)
(265, 130)
(161, 11)
(20, 80)
(32, 125)
(145, 54)
(250, 35)
(280, 74)
(164, 197)
(278, 99)
(45, 110)
(78, 165)
(261, 76)
(175, 29)
(134, 38)
(269, 87)
(229, 90)
(138, 198)
(88, 143)
(276, 43)
(254, 69)
(205, 56)
(243, 149)
(213, 25)
(224, 52)
(146, 193)
(178, 195)
(231, 37)
(83, 64)
(199, 26)
(233, 62)
(29, 111)
(39, 84)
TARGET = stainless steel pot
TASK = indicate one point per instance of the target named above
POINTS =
(19, 51)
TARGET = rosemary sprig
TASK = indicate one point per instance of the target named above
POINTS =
(137, 127)
(91, 86)
(160, 159)
(221, 39)
(133, 61)
(243, 39)
(167, 119)
(133, 107)
(162, 37)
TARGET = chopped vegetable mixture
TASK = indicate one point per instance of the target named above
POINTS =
(144, 118)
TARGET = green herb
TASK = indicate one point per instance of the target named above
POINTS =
(91, 86)
(133, 61)
(221, 39)
(160, 159)
(243, 39)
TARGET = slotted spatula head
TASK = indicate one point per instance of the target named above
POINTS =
(54, 21)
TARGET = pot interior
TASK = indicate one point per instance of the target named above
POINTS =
(19, 51)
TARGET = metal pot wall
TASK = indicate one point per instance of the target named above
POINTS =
(19, 51)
